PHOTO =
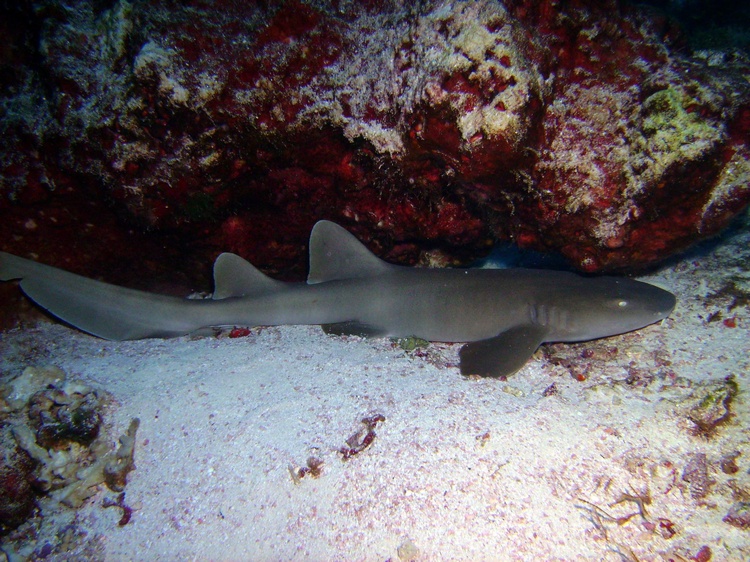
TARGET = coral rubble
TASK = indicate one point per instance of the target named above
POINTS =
(739, 515)
(431, 129)
(53, 449)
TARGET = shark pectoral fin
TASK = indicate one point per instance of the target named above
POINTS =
(502, 355)
(354, 328)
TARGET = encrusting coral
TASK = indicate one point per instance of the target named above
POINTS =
(431, 129)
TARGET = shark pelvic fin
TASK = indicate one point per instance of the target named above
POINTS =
(354, 328)
(502, 355)
(336, 254)
(236, 277)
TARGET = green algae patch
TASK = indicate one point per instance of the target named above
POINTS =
(411, 343)
(673, 128)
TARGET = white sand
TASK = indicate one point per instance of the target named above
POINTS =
(460, 469)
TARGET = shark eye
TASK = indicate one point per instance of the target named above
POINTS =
(622, 304)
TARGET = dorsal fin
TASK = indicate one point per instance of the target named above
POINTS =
(335, 253)
(236, 277)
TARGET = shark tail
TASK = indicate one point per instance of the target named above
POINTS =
(107, 311)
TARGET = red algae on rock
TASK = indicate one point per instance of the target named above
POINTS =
(430, 131)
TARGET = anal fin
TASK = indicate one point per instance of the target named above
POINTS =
(502, 355)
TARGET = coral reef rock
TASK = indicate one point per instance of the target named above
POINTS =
(53, 450)
(16, 476)
(430, 129)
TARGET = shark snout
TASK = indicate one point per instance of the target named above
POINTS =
(662, 302)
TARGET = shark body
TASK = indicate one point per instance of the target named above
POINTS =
(502, 314)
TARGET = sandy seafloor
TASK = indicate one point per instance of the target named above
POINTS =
(461, 469)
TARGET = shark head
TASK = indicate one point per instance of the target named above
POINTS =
(607, 306)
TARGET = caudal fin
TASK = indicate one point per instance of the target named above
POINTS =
(101, 309)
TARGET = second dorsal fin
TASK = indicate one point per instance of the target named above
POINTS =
(236, 277)
(335, 253)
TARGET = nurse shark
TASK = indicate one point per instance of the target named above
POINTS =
(502, 315)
